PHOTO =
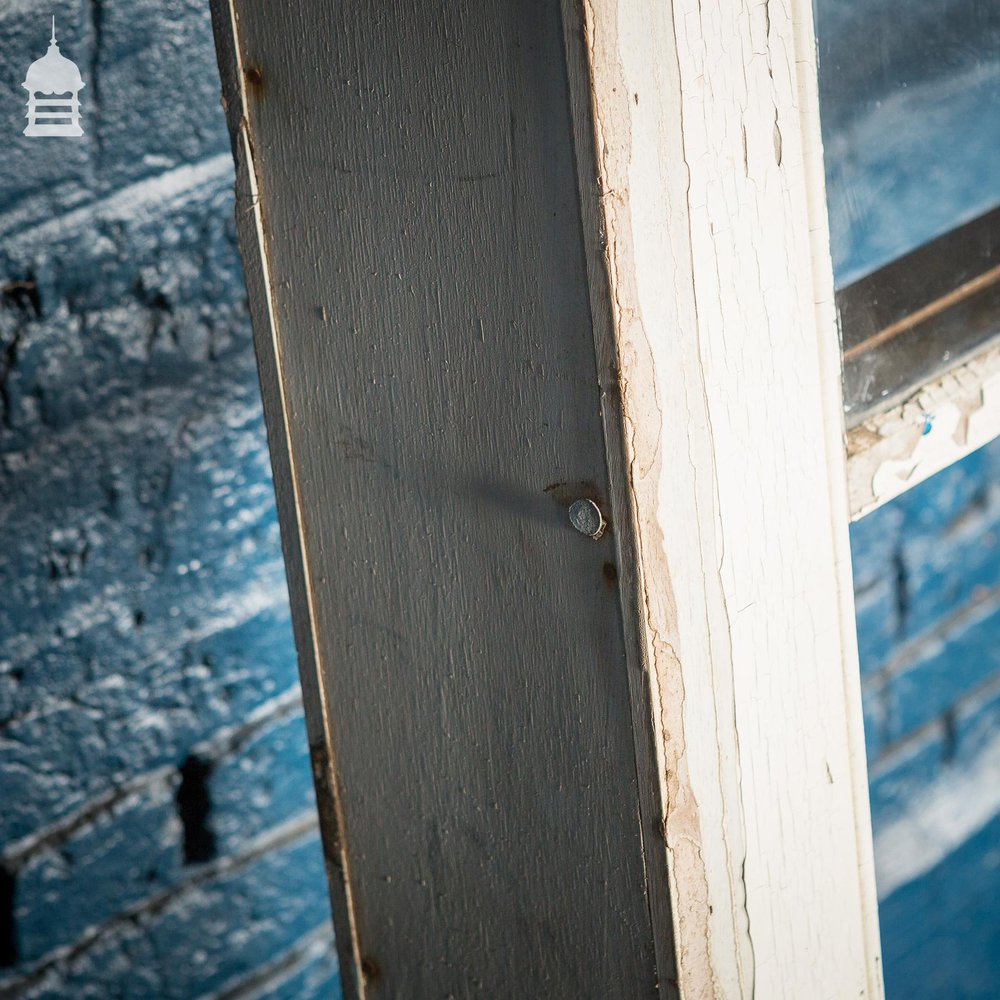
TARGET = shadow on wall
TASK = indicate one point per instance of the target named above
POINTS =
(158, 831)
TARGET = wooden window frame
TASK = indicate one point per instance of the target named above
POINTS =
(700, 171)
(935, 426)
(934, 309)
(737, 432)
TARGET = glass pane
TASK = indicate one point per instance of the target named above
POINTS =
(910, 103)
(927, 592)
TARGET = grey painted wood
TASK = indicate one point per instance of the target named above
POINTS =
(249, 223)
(422, 314)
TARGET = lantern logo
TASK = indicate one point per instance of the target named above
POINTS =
(53, 84)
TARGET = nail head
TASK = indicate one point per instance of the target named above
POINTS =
(587, 518)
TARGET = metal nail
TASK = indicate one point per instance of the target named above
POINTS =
(587, 518)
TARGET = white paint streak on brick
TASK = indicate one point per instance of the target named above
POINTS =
(153, 196)
(266, 592)
(938, 818)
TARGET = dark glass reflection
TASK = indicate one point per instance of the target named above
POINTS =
(910, 105)
(910, 98)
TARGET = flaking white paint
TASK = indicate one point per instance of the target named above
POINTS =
(716, 251)
(941, 423)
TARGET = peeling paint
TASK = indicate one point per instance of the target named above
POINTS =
(944, 421)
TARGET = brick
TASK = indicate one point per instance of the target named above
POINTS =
(116, 518)
(944, 572)
(876, 610)
(899, 778)
(241, 919)
(928, 552)
(317, 977)
(936, 545)
(940, 934)
(31, 172)
(873, 716)
(151, 98)
(134, 850)
(977, 723)
(991, 455)
(874, 542)
(262, 784)
(59, 757)
(145, 602)
(132, 298)
(933, 506)
(144, 605)
(947, 669)
(157, 75)
(125, 855)
(205, 939)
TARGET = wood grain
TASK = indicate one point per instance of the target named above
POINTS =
(422, 316)
(711, 237)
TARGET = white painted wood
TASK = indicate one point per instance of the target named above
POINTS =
(939, 424)
(712, 239)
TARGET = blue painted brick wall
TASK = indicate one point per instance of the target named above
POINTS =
(927, 580)
(157, 835)
(157, 824)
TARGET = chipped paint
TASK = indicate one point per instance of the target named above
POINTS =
(709, 223)
(943, 422)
